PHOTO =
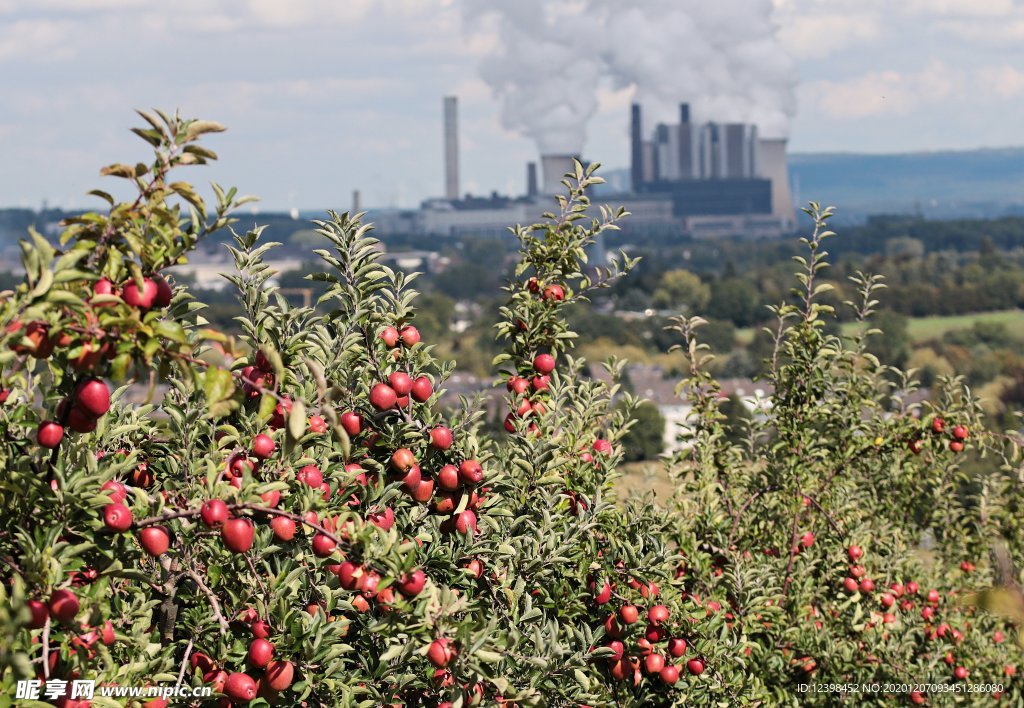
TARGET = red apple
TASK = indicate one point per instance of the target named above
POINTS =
(448, 478)
(323, 546)
(143, 298)
(383, 397)
(960, 432)
(401, 382)
(80, 421)
(695, 667)
(554, 293)
(544, 363)
(658, 614)
(240, 687)
(384, 519)
(470, 472)
(855, 553)
(402, 459)
(517, 384)
(63, 605)
(604, 595)
(423, 492)
(214, 512)
(237, 535)
(155, 540)
(117, 517)
(117, 491)
(410, 335)
(283, 528)
(629, 614)
(317, 424)
(260, 653)
(411, 584)
(389, 335)
(37, 614)
(262, 446)
(654, 663)
(164, 294)
(93, 396)
(279, 675)
(311, 475)
(422, 389)
(352, 423)
(676, 647)
(670, 675)
(49, 434)
(440, 653)
(441, 437)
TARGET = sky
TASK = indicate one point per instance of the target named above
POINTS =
(322, 97)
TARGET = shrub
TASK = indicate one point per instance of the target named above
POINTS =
(294, 521)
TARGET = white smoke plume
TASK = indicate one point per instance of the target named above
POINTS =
(721, 56)
(546, 83)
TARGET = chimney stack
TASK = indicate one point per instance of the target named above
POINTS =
(451, 148)
(636, 148)
(357, 203)
(531, 180)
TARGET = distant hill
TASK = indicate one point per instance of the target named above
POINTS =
(947, 184)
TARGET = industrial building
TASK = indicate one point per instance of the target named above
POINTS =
(704, 180)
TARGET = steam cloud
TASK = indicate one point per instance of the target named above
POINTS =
(721, 56)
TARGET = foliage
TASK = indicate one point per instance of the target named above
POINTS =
(299, 485)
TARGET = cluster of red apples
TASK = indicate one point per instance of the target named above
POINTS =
(955, 436)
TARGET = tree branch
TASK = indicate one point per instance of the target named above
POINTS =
(214, 605)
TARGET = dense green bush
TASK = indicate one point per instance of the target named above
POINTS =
(298, 486)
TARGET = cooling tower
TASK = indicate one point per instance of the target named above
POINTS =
(554, 169)
(771, 164)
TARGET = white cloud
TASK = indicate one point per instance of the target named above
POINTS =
(1004, 81)
(810, 36)
(884, 93)
(37, 40)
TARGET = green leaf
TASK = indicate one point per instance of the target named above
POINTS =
(219, 387)
(297, 420)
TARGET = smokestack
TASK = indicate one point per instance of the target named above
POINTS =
(771, 164)
(531, 179)
(451, 147)
(356, 202)
(554, 168)
(636, 140)
(684, 113)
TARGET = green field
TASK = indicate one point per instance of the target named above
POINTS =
(924, 328)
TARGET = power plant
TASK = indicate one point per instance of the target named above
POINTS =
(702, 180)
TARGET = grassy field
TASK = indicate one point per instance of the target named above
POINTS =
(644, 477)
(924, 328)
